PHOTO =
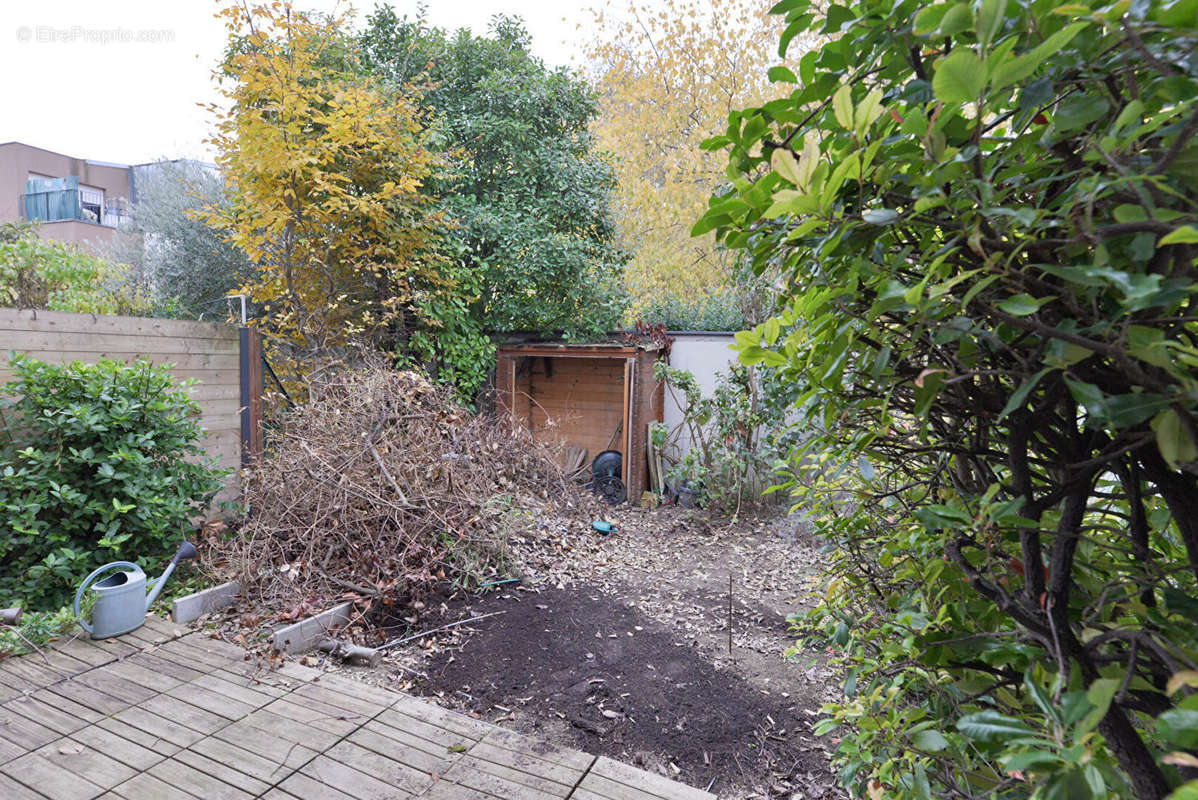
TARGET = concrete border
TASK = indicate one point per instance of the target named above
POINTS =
(304, 635)
(193, 606)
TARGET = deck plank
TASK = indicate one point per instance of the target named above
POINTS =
(228, 773)
(186, 777)
(388, 770)
(353, 782)
(12, 790)
(159, 728)
(165, 713)
(144, 785)
(303, 787)
(50, 715)
(118, 747)
(24, 732)
(86, 762)
(35, 772)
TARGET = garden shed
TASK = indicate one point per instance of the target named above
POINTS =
(594, 396)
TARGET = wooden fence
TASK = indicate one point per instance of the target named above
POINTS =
(225, 362)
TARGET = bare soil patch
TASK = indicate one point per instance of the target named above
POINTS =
(619, 645)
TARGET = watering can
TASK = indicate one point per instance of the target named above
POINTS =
(121, 600)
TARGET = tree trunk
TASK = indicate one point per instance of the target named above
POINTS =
(1180, 491)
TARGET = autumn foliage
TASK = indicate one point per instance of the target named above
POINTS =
(668, 76)
(325, 170)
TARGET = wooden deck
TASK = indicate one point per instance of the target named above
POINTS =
(166, 713)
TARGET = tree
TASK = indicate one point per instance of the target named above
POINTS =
(187, 263)
(326, 171)
(668, 76)
(529, 197)
(986, 216)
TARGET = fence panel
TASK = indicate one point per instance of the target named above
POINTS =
(205, 351)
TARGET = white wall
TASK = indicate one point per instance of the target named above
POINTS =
(702, 354)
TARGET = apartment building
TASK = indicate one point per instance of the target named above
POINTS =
(75, 200)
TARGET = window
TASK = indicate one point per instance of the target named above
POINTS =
(91, 203)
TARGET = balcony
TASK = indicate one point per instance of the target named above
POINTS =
(63, 199)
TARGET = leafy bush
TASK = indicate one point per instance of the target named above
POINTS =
(720, 311)
(529, 197)
(36, 628)
(985, 217)
(187, 264)
(61, 277)
(101, 463)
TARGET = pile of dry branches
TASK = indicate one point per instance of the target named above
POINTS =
(379, 487)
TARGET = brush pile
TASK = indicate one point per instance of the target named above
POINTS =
(380, 487)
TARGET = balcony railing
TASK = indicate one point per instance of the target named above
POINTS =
(65, 204)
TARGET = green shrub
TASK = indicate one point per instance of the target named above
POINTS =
(60, 277)
(739, 434)
(721, 311)
(100, 463)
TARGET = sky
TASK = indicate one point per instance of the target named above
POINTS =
(125, 81)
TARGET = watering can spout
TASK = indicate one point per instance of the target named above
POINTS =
(186, 551)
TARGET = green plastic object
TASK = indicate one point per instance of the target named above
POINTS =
(603, 526)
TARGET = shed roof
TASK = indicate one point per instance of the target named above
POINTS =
(584, 350)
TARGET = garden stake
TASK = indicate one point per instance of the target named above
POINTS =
(729, 613)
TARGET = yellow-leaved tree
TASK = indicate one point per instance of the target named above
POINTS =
(326, 171)
(668, 75)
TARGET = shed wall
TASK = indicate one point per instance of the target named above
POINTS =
(579, 401)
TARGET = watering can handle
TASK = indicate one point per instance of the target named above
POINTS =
(88, 580)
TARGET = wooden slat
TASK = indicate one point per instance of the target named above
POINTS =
(76, 758)
(384, 769)
(176, 773)
(251, 760)
(564, 767)
(196, 718)
(414, 755)
(303, 787)
(176, 730)
(50, 715)
(344, 778)
(69, 706)
(291, 744)
(148, 739)
(467, 773)
(24, 732)
(222, 771)
(113, 684)
(268, 722)
(10, 750)
(644, 781)
(119, 345)
(123, 750)
(210, 701)
(145, 785)
(61, 322)
(36, 772)
(11, 790)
